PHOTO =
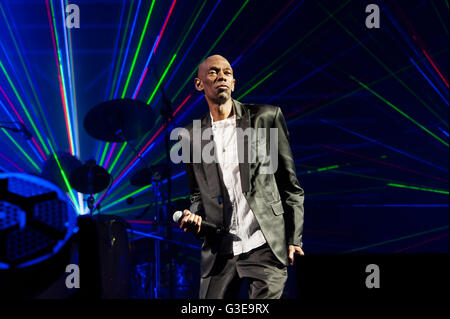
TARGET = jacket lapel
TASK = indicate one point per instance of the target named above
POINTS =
(243, 122)
(211, 169)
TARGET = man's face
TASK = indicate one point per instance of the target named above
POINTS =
(215, 78)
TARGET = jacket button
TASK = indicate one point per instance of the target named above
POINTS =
(219, 199)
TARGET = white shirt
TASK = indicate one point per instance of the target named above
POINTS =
(244, 226)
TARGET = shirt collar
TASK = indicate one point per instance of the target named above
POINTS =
(222, 123)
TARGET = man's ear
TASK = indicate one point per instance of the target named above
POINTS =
(198, 84)
(232, 84)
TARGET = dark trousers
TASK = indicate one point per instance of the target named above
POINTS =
(265, 274)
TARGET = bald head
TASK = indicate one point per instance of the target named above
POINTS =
(215, 79)
(204, 65)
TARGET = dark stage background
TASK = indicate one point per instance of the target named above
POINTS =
(367, 109)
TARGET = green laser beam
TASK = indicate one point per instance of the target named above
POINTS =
(384, 66)
(74, 92)
(439, 16)
(121, 51)
(97, 152)
(346, 191)
(397, 239)
(408, 66)
(143, 139)
(161, 79)
(127, 196)
(282, 56)
(30, 82)
(117, 157)
(212, 48)
(122, 187)
(256, 85)
(327, 168)
(236, 15)
(22, 150)
(23, 107)
(61, 72)
(129, 156)
(138, 49)
(66, 181)
(267, 76)
(124, 210)
(102, 159)
(64, 176)
(419, 188)
(400, 111)
(119, 189)
(190, 27)
(359, 175)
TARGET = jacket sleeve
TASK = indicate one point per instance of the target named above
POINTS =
(195, 198)
(196, 206)
(292, 195)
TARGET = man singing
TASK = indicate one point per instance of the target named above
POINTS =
(259, 211)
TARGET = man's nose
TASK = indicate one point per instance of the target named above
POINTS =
(221, 76)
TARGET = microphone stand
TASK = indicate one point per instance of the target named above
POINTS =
(23, 129)
(12, 129)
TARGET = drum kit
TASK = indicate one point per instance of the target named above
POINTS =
(119, 121)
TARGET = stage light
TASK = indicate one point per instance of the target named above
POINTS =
(36, 220)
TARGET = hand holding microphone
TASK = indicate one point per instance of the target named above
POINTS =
(194, 223)
(188, 221)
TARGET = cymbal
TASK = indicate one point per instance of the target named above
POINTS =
(145, 176)
(133, 118)
(90, 178)
(52, 172)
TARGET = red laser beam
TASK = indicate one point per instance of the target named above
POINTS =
(435, 67)
(422, 243)
(12, 163)
(61, 89)
(164, 25)
(20, 118)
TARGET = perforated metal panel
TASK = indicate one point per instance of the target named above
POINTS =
(36, 219)
(52, 213)
(10, 215)
(26, 242)
(26, 188)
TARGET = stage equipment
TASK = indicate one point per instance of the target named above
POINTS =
(145, 176)
(119, 120)
(90, 179)
(104, 257)
(51, 171)
(124, 120)
(21, 129)
(178, 257)
(36, 220)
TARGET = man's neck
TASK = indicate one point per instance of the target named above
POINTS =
(221, 111)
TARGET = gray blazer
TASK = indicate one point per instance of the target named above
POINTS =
(275, 198)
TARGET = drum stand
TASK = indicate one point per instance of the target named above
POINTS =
(156, 182)
(158, 222)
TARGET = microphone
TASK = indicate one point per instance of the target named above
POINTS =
(25, 132)
(206, 226)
